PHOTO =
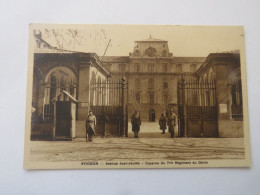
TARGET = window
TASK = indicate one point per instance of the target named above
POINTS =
(137, 83)
(151, 83)
(137, 67)
(53, 87)
(138, 97)
(62, 83)
(56, 80)
(151, 96)
(71, 88)
(165, 84)
(165, 67)
(179, 67)
(121, 67)
(151, 67)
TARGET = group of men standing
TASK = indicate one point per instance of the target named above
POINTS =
(170, 120)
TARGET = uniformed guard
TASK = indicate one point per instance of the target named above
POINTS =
(172, 122)
(163, 123)
(90, 126)
(136, 123)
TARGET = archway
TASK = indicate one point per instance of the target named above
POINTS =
(57, 80)
(60, 89)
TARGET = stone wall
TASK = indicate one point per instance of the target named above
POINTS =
(230, 128)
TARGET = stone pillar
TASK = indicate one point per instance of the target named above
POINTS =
(230, 101)
(83, 91)
(40, 103)
(83, 98)
(222, 97)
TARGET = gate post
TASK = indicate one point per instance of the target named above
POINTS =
(124, 85)
(184, 105)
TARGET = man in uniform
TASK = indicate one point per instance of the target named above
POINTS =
(90, 126)
(172, 122)
(162, 123)
(136, 122)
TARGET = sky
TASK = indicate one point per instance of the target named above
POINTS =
(182, 40)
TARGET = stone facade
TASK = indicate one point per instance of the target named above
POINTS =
(152, 73)
(225, 69)
(54, 71)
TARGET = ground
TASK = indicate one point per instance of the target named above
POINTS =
(149, 147)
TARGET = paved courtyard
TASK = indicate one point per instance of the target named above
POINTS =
(144, 148)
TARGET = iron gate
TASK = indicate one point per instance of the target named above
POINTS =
(197, 108)
(108, 103)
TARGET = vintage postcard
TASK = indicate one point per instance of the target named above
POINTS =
(136, 96)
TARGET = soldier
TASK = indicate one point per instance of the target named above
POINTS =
(136, 123)
(162, 123)
(172, 123)
(90, 126)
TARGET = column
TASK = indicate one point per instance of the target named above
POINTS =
(83, 91)
(222, 98)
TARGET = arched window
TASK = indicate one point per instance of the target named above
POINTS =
(53, 87)
(235, 93)
(62, 83)
(58, 79)
(71, 87)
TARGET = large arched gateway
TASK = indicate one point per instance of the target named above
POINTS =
(59, 102)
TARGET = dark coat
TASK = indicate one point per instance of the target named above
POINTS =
(136, 122)
(172, 121)
(162, 122)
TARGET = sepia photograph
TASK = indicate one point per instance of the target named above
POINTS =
(136, 96)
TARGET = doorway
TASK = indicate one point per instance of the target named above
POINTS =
(151, 115)
(63, 119)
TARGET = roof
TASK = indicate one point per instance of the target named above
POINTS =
(52, 50)
(189, 59)
(117, 59)
(150, 39)
(66, 93)
(214, 56)
(48, 48)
